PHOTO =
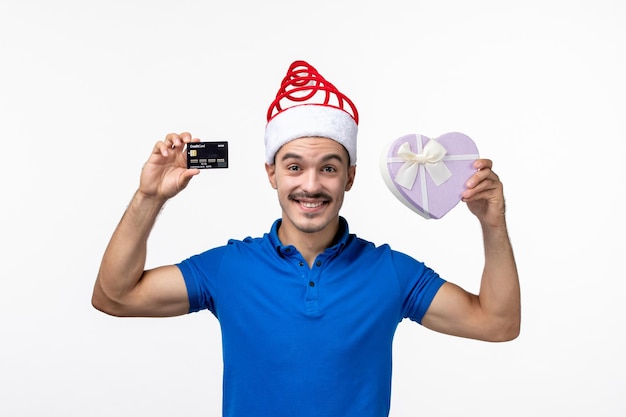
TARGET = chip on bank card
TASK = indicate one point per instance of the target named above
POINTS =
(203, 155)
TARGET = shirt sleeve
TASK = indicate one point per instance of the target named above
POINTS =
(419, 285)
(198, 272)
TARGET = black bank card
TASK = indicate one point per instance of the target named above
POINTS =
(204, 155)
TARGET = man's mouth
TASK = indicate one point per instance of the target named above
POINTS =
(310, 201)
(311, 205)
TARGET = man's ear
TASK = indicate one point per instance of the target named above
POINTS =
(271, 174)
(351, 175)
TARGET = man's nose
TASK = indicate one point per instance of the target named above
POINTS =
(312, 182)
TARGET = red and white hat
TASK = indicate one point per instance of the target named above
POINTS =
(308, 105)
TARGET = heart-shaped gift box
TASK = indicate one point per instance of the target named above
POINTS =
(429, 175)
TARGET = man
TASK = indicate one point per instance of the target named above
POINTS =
(308, 311)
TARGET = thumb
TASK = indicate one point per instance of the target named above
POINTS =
(185, 177)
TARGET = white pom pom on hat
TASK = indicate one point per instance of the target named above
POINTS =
(307, 105)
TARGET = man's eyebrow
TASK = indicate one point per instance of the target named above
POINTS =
(332, 156)
(290, 156)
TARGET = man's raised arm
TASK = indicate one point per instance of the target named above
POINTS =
(123, 287)
(495, 313)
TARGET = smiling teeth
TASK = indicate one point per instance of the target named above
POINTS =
(311, 205)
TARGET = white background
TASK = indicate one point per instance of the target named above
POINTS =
(86, 88)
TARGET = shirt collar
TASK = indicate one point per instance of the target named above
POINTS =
(340, 239)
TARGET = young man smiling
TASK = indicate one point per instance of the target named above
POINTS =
(308, 311)
(311, 175)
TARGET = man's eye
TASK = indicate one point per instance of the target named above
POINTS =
(293, 167)
(329, 169)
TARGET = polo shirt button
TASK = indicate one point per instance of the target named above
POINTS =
(301, 264)
(318, 263)
(311, 284)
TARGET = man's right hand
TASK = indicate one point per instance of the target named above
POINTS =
(165, 173)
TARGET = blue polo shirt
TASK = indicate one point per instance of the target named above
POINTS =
(300, 341)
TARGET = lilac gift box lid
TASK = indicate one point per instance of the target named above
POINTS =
(429, 175)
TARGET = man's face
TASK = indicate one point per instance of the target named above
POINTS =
(311, 176)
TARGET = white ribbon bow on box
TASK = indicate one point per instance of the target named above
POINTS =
(430, 158)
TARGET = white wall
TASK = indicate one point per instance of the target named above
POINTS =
(86, 88)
